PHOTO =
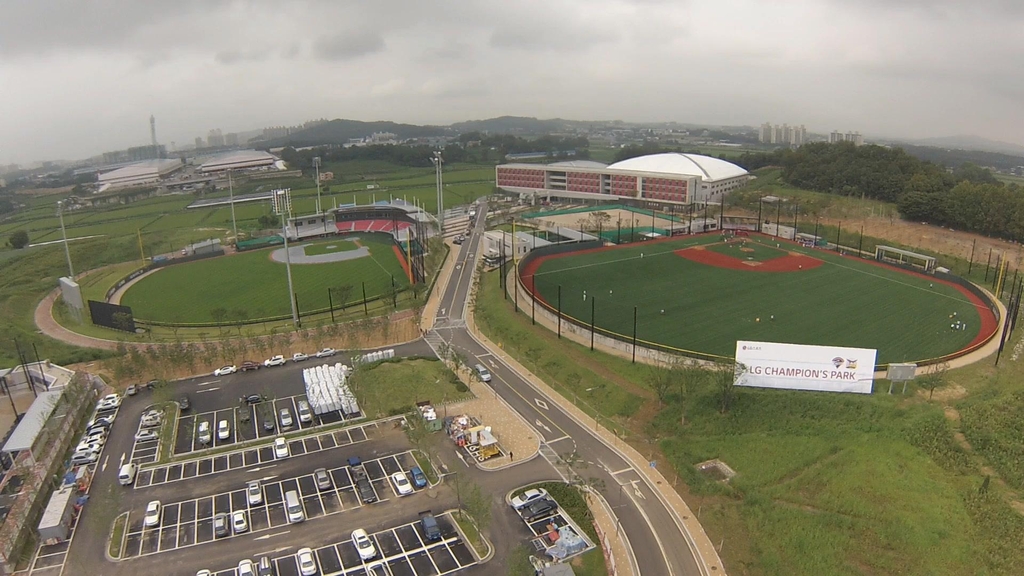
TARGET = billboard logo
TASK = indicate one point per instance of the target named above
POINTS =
(851, 363)
(837, 361)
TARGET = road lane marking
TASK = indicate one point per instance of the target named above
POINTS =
(541, 403)
(208, 390)
(267, 536)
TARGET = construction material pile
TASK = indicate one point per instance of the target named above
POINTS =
(328, 391)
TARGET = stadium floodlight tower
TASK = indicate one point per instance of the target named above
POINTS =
(316, 165)
(64, 235)
(282, 203)
(438, 168)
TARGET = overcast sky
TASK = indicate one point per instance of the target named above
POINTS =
(78, 77)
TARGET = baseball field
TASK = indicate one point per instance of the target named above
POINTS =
(701, 294)
(254, 285)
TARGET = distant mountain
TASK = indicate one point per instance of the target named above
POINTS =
(341, 131)
(514, 125)
(967, 142)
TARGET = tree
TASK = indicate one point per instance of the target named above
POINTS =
(935, 378)
(267, 221)
(18, 239)
(239, 315)
(219, 314)
(122, 321)
(723, 376)
(661, 381)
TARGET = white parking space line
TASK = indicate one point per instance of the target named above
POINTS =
(136, 538)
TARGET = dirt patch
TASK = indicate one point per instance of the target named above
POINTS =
(947, 394)
(751, 250)
(787, 263)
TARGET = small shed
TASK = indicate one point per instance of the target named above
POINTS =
(55, 523)
(557, 570)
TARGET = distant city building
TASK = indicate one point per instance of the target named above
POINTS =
(782, 134)
(383, 138)
(231, 139)
(135, 154)
(837, 136)
(199, 142)
(326, 176)
(215, 139)
(152, 129)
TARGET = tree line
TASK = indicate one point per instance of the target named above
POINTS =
(968, 198)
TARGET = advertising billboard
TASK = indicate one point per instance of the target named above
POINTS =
(804, 367)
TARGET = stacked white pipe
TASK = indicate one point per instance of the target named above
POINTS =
(327, 389)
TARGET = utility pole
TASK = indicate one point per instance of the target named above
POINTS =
(231, 201)
(63, 234)
(438, 170)
(282, 200)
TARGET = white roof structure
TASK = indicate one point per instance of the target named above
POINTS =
(677, 163)
(24, 436)
(145, 172)
(579, 164)
(238, 160)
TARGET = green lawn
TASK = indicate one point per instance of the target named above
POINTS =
(698, 307)
(755, 251)
(253, 283)
(395, 387)
(329, 247)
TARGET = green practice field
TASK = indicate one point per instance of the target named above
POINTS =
(700, 307)
(253, 283)
(329, 247)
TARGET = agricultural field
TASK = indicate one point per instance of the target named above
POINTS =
(252, 285)
(697, 294)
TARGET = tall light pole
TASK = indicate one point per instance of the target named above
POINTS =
(438, 168)
(316, 164)
(63, 234)
(282, 201)
(231, 200)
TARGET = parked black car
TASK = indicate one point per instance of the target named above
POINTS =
(184, 403)
(539, 509)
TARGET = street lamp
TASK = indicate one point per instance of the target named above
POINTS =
(282, 202)
(438, 169)
(67, 252)
(316, 164)
(231, 201)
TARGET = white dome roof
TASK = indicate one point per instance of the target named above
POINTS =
(706, 167)
(579, 164)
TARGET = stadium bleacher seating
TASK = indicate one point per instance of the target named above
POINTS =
(371, 226)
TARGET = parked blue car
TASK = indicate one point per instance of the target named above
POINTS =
(419, 480)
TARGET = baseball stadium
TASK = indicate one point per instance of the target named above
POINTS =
(670, 275)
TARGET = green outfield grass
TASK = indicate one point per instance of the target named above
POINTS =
(329, 247)
(253, 283)
(703, 308)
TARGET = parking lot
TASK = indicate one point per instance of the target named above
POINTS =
(246, 422)
(404, 550)
(190, 522)
(245, 457)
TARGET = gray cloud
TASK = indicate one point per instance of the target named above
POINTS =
(914, 68)
(345, 46)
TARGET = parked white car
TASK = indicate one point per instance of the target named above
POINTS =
(254, 493)
(307, 562)
(152, 517)
(225, 370)
(203, 434)
(326, 353)
(363, 544)
(108, 402)
(299, 357)
(401, 482)
(146, 436)
(246, 568)
(281, 448)
(239, 523)
(223, 430)
(529, 497)
(274, 361)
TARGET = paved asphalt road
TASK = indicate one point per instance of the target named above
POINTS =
(656, 538)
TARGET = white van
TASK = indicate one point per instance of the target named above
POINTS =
(127, 474)
(482, 372)
(293, 506)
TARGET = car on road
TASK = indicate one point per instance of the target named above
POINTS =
(146, 435)
(286, 418)
(482, 373)
(254, 493)
(458, 240)
(299, 357)
(326, 353)
(363, 544)
(250, 365)
(131, 390)
(305, 414)
(307, 562)
(246, 568)
(225, 370)
(274, 361)
(401, 482)
(203, 434)
(281, 448)
(529, 497)
(126, 475)
(152, 517)
(223, 430)
(419, 479)
(538, 509)
(108, 402)
(323, 479)
(253, 399)
(239, 523)
(220, 524)
(184, 403)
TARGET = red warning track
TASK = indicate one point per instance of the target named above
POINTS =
(405, 265)
(789, 263)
